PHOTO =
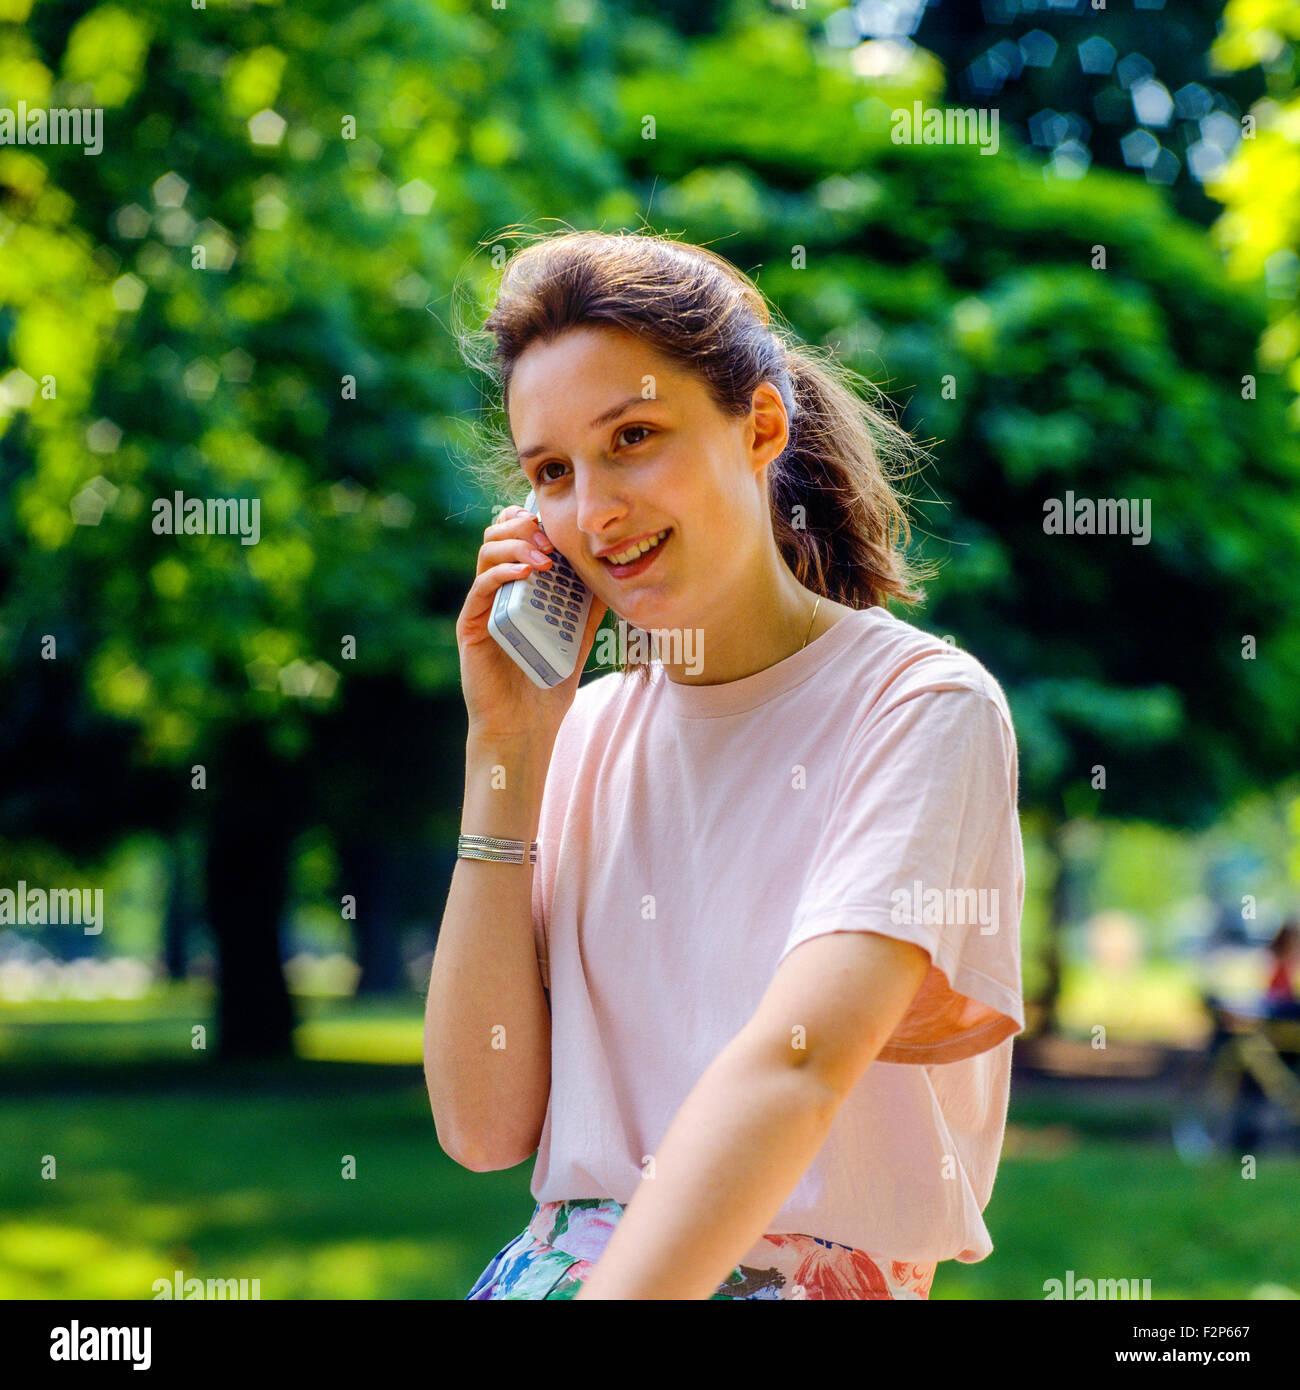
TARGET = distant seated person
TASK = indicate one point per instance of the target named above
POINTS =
(1284, 950)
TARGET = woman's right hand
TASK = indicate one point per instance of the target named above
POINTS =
(502, 702)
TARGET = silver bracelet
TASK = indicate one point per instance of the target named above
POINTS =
(499, 851)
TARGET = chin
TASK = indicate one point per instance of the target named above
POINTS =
(642, 612)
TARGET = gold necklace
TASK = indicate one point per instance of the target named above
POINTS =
(812, 620)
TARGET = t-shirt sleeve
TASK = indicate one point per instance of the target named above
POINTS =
(539, 923)
(554, 797)
(560, 771)
(922, 842)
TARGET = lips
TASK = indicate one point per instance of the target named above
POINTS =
(633, 545)
(644, 559)
(633, 551)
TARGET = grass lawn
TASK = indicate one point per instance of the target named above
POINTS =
(164, 1163)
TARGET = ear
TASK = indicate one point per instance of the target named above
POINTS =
(768, 426)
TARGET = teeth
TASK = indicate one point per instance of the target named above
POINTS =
(627, 556)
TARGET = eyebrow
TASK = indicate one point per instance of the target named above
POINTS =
(608, 417)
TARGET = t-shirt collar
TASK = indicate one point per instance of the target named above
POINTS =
(735, 697)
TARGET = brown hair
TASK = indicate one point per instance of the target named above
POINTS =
(699, 311)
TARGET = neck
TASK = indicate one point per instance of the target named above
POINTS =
(767, 623)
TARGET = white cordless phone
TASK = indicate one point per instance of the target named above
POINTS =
(540, 620)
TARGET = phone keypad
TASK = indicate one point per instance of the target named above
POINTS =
(559, 597)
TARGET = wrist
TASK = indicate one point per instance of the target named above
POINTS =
(504, 786)
(534, 746)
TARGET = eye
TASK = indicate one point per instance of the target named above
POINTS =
(542, 476)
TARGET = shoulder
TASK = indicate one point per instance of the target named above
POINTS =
(898, 662)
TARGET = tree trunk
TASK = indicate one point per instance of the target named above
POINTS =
(1058, 916)
(1067, 843)
(368, 869)
(1045, 1022)
(182, 907)
(251, 834)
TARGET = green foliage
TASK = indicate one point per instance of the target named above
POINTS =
(969, 283)
(235, 380)
(1260, 186)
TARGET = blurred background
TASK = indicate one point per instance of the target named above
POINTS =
(256, 752)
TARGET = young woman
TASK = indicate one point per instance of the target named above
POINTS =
(752, 1006)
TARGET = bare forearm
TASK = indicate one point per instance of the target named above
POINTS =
(487, 1029)
(736, 1149)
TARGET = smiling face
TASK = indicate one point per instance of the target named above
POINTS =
(610, 468)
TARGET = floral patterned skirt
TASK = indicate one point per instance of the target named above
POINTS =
(559, 1247)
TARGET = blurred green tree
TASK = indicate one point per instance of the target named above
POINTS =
(1115, 86)
(1260, 187)
(230, 302)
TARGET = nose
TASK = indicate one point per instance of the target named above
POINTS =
(599, 506)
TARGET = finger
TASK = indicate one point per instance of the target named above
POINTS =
(515, 545)
(510, 560)
(522, 524)
(483, 591)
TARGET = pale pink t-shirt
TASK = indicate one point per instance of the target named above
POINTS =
(691, 836)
